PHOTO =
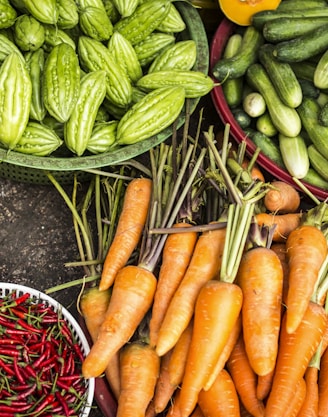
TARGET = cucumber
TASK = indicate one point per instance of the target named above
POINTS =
(285, 118)
(291, 5)
(285, 28)
(294, 154)
(237, 65)
(264, 124)
(303, 47)
(320, 76)
(241, 117)
(313, 178)
(309, 89)
(254, 104)
(268, 146)
(309, 113)
(282, 76)
(304, 70)
(323, 115)
(318, 162)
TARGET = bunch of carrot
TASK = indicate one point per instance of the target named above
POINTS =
(224, 317)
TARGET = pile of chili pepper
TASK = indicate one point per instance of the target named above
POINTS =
(40, 361)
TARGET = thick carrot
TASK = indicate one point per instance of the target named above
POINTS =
(176, 256)
(132, 295)
(93, 306)
(282, 198)
(310, 404)
(164, 389)
(260, 277)
(284, 223)
(197, 412)
(295, 352)
(296, 402)
(204, 265)
(245, 379)
(264, 384)
(129, 229)
(323, 386)
(306, 250)
(225, 353)
(179, 356)
(221, 399)
(217, 309)
(139, 366)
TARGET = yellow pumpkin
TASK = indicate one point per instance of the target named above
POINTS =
(241, 11)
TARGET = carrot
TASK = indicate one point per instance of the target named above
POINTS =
(204, 265)
(197, 412)
(311, 402)
(217, 309)
(132, 295)
(295, 352)
(176, 256)
(164, 389)
(129, 229)
(280, 249)
(284, 223)
(282, 198)
(323, 386)
(245, 379)
(233, 337)
(93, 306)
(179, 356)
(221, 399)
(296, 402)
(263, 387)
(174, 409)
(260, 277)
(139, 366)
(306, 250)
(255, 171)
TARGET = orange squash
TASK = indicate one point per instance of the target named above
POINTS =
(241, 11)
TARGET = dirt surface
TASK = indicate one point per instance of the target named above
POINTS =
(37, 237)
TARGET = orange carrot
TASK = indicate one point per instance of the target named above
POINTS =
(174, 409)
(233, 337)
(217, 309)
(129, 229)
(280, 249)
(323, 386)
(284, 223)
(204, 265)
(282, 198)
(295, 352)
(263, 387)
(176, 256)
(132, 295)
(260, 277)
(245, 379)
(296, 402)
(311, 402)
(164, 389)
(255, 171)
(93, 305)
(139, 366)
(179, 356)
(221, 399)
(306, 250)
(197, 412)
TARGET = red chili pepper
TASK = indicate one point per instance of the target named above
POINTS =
(18, 374)
(29, 327)
(28, 390)
(63, 403)
(10, 341)
(43, 405)
(10, 408)
(7, 368)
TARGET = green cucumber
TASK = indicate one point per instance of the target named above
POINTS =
(320, 76)
(294, 154)
(241, 117)
(264, 124)
(291, 5)
(309, 111)
(285, 118)
(254, 104)
(323, 115)
(303, 47)
(282, 76)
(237, 65)
(313, 178)
(268, 146)
(318, 162)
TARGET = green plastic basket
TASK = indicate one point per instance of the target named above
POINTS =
(32, 169)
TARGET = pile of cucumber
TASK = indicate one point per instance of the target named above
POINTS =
(274, 76)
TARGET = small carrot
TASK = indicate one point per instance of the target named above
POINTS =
(297, 401)
(245, 379)
(255, 171)
(295, 352)
(176, 256)
(264, 383)
(284, 223)
(139, 366)
(233, 337)
(132, 295)
(310, 404)
(280, 249)
(306, 250)
(282, 198)
(323, 386)
(217, 309)
(129, 229)
(221, 399)
(164, 389)
(260, 277)
(204, 265)
(174, 409)
(179, 356)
